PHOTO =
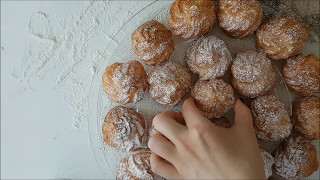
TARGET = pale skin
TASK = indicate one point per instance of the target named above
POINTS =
(189, 146)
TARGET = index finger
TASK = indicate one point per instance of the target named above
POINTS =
(191, 113)
(165, 123)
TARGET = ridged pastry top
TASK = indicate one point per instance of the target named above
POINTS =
(125, 82)
(190, 18)
(271, 119)
(239, 18)
(168, 83)
(295, 157)
(281, 37)
(152, 43)
(252, 74)
(124, 129)
(137, 167)
(302, 74)
(248, 66)
(306, 116)
(214, 98)
(208, 57)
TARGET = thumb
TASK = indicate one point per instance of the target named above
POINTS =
(243, 117)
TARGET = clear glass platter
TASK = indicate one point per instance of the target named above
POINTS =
(119, 50)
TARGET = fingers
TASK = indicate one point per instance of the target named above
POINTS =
(161, 146)
(243, 117)
(191, 113)
(166, 124)
(176, 116)
(163, 168)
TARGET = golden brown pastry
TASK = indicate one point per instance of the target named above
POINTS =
(281, 37)
(252, 74)
(222, 122)
(124, 129)
(295, 157)
(271, 120)
(137, 167)
(190, 18)
(208, 57)
(168, 83)
(306, 117)
(213, 98)
(268, 161)
(125, 82)
(152, 43)
(239, 18)
(302, 74)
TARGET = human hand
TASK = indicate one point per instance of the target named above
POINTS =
(189, 146)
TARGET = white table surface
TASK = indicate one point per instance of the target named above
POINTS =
(37, 137)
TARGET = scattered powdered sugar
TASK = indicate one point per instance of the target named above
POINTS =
(302, 74)
(191, 18)
(137, 166)
(208, 57)
(271, 119)
(268, 161)
(239, 17)
(168, 83)
(62, 52)
(291, 156)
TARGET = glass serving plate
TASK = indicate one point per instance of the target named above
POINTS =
(119, 50)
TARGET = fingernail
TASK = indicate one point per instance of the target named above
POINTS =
(241, 99)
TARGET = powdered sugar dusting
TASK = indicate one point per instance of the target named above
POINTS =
(208, 57)
(124, 129)
(214, 98)
(152, 131)
(302, 74)
(252, 74)
(268, 161)
(281, 37)
(152, 43)
(159, 50)
(291, 156)
(271, 119)
(306, 116)
(190, 18)
(168, 83)
(125, 82)
(239, 17)
(250, 65)
(137, 166)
